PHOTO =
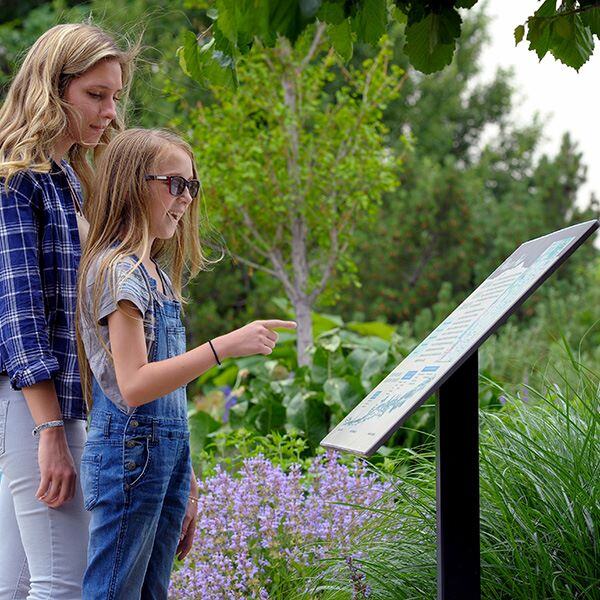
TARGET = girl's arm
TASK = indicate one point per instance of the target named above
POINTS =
(141, 381)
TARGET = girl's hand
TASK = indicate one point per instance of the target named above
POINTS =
(186, 539)
(188, 527)
(257, 337)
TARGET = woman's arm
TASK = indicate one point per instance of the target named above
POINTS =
(57, 469)
(141, 381)
(24, 344)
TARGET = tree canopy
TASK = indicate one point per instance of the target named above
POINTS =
(567, 30)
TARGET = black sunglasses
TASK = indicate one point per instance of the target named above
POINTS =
(177, 184)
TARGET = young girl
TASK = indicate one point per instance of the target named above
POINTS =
(136, 470)
(61, 104)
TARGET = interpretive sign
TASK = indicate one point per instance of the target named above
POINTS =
(422, 373)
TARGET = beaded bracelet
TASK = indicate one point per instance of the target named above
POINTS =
(194, 499)
(48, 425)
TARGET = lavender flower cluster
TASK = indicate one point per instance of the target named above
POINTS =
(262, 521)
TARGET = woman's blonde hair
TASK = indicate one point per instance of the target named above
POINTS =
(119, 216)
(34, 114)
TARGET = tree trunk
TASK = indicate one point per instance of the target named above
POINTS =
(304, 331)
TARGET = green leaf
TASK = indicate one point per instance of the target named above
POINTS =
(466, 3)
(430, 42)
(376, 328)
(330, 343)
(210, 64)
(519, 33)
(572, 43)
(373, 368)
(307, 413)
(539, 28)
(201, 426)
(370, 21)
(268, 416)
(188, 55)
(341, 39)
(332, 13)
(591, 19)
(342, 393)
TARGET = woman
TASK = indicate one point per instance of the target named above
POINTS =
(61, 105)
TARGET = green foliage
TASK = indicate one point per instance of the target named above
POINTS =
(540, 507)
(566, 31)
(430, 41)
(432, 29)
(467, 198)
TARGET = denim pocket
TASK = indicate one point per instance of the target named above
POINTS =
(175, 340)
(90, 479)
(136, 456)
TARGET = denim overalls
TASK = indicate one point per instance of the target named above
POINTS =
(135, 476)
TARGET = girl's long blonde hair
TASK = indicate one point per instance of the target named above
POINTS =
(119, 216)
(34, 114)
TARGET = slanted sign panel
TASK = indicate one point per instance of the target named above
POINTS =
(424, 370)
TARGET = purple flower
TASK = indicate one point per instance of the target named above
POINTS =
(255, 523)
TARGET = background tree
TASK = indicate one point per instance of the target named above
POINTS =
(474, 187)
(293, 171)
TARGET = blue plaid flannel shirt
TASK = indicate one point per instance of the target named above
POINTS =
(39, 257)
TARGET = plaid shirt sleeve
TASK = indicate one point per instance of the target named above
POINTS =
(24, 344)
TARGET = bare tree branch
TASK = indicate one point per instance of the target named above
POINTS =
(320, 29)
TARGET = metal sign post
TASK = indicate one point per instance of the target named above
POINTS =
(458, 485)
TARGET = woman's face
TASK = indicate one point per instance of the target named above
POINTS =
(167, 210)
(94, 96)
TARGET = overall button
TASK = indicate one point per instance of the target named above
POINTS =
(134, 423)
(130, 465)
(130, 443)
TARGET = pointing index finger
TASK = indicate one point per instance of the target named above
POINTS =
(272, 323)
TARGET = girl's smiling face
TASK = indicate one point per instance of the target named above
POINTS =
(167, 210)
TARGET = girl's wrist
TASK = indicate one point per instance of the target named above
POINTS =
(221, 347)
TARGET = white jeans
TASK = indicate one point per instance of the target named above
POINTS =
(42, 550)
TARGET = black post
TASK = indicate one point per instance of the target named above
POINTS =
(458, 485)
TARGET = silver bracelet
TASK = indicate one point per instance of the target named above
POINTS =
(47, 425)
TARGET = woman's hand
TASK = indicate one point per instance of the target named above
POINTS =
(257, 337)
(58, 476)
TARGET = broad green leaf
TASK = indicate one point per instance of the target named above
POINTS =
(332, 13)
(188, 56)
(591, 19)
(341, 39)
(539, 28)
(373, 368)
(342, 393)
(201, 425)
(519, 33)
(572, 43)
(358, 357)
(330, 343)
(376, 328)
(269, 416)
(370, 21)
(430, 42)
(209, 64)
(307, 413)
(466, 3)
